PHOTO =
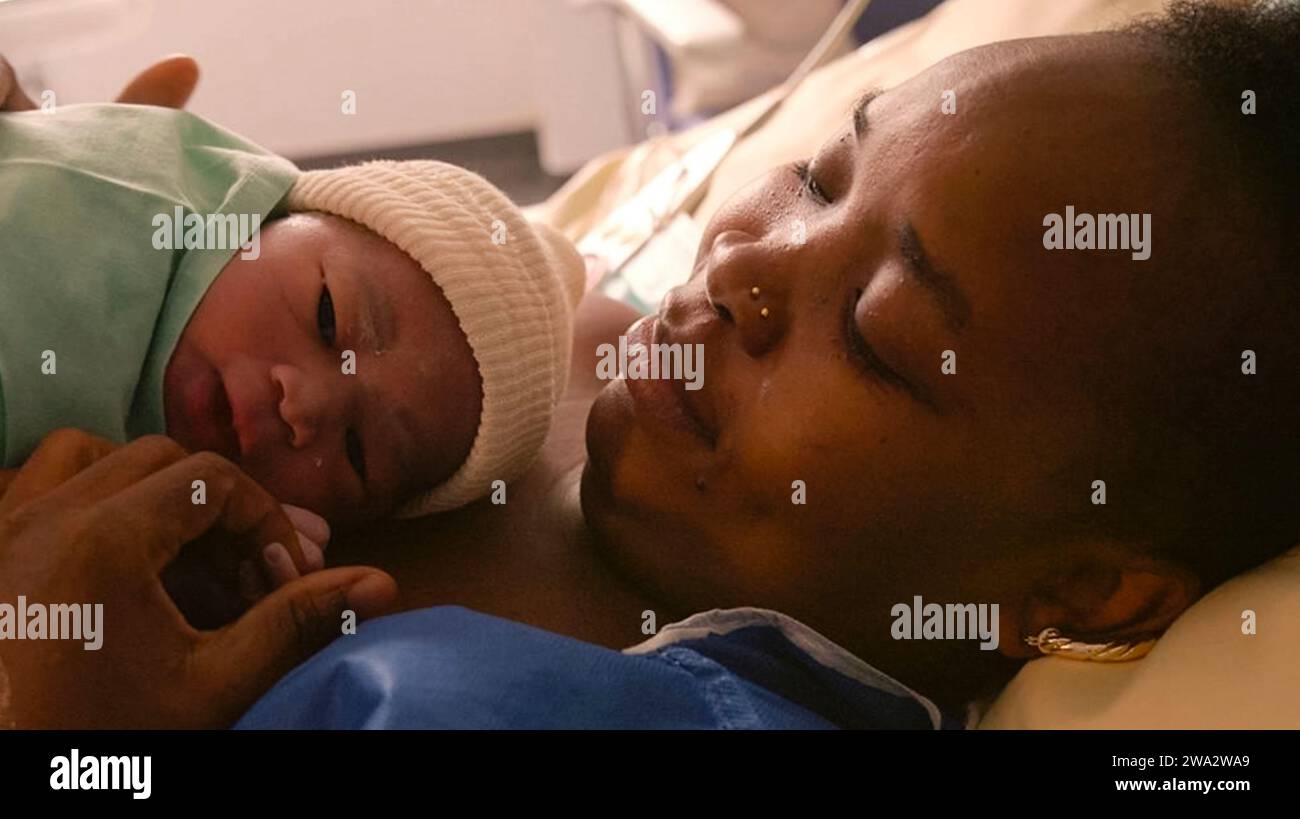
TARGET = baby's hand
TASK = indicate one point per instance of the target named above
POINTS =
(216, 578)
(276, 568)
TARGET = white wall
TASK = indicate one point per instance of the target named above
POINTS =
(275, 70)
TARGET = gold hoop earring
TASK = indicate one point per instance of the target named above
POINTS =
(1049, 641)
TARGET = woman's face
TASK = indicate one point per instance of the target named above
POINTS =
(913, 237)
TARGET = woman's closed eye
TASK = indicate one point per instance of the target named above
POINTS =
(861, 351)
(803, 170)
(869, 362)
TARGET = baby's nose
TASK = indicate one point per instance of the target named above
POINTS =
(302, 404)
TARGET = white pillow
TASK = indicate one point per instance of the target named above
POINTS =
(1203, 673)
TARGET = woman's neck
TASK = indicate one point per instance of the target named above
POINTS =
(531, 558)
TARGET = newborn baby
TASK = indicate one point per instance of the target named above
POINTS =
(398, 344)
(392, 342)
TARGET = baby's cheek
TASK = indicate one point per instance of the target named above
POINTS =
(222, 304)
(303, 482)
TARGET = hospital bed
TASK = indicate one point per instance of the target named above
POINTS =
(1205, 672)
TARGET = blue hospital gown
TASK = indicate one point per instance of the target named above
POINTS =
(449, 667)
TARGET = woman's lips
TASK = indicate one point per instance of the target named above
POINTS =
(664, 399)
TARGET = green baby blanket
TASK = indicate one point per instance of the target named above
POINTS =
(111, 221)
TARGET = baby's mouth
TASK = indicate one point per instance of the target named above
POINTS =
(199, 413)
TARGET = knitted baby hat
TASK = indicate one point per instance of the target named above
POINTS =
(512, 284)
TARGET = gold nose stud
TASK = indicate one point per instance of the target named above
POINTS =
(764, 312)
(753, 292)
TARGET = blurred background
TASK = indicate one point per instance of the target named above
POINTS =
(521, 91)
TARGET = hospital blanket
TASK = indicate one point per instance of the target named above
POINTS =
(449, 667)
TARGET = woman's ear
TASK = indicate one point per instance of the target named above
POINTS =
(1102, 593)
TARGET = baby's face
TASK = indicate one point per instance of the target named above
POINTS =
(330, 368)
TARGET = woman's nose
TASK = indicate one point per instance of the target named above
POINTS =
(745, 285)
(303, 406)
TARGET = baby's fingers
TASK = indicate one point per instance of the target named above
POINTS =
(274, 569)
(308, 523)
(313, 555)
(157, 515)
(279, 567)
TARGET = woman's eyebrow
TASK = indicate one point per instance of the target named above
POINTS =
(952, 301)
(860, 123)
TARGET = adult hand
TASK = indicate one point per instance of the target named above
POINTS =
(167, 83)
(211, 582)
(86, 522)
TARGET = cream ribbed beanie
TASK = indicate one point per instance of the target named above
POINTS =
(512, 284)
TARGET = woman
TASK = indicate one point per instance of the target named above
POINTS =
(974, 483)
(974, 415)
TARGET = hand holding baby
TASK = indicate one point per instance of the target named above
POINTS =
(214, 579)
(86, 522)
(167, 83)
